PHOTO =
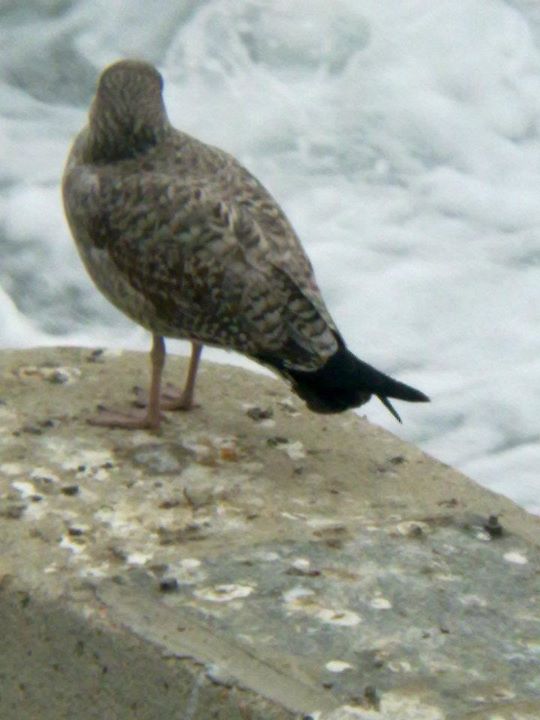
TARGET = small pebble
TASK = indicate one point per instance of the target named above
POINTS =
(277, 440)
(70, 490)
(257, 413)
(169, 584)
(75, 531)
(494, 527)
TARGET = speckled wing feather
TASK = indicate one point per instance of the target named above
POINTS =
(180, 261)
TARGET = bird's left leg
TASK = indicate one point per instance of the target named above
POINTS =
(136, 419)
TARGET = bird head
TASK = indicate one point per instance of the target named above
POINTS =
(127, 115)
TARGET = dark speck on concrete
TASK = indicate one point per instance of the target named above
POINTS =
(277, 440)
(169, 584)
(96, 356)
(258, 413)
(75, 531)
(70, 490)
(493, 527)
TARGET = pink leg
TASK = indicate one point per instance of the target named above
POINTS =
(136, 419)
(172, 398)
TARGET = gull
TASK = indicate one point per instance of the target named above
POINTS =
(186, 242)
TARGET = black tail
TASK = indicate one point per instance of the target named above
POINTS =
(345, 382)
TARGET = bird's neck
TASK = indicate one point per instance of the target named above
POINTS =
(111, 140)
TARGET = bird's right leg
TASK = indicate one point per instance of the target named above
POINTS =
(172, 398)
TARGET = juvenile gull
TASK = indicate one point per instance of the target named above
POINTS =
(187, 243)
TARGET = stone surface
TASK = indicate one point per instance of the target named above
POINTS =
(250, 560)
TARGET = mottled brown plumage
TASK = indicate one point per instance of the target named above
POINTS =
(185, 241)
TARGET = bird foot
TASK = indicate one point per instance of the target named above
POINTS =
(133, 420)
(171, 399)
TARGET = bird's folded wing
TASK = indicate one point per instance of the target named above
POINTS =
(211, 264)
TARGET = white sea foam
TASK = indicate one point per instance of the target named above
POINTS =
(402, 140)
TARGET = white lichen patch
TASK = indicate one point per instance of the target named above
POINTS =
(201, 486)
(380, 603)
(139, 558)
(400, 666)
(326, 523)
(295, 450)
(210, 450)
(293, 516)
(515, 557)
(337, 666)
(11, 469)
(301, 564)
(304, 600)
(190, 564)
(298, 597)
(67, 543)
(189, 571)
(76, 459)
(44, 474)
(483, 536)
(57, 375)
(224, 593)
(25, 489)
(118, 521)
(36, 510)
(447, 577)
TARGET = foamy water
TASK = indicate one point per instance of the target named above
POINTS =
(402, 140)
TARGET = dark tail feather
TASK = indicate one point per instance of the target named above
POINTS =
(383, 386)
(388, 405)
(345, 382)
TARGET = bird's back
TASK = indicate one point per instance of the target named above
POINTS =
(188, 243)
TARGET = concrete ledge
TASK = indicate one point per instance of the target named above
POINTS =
(251, 560)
